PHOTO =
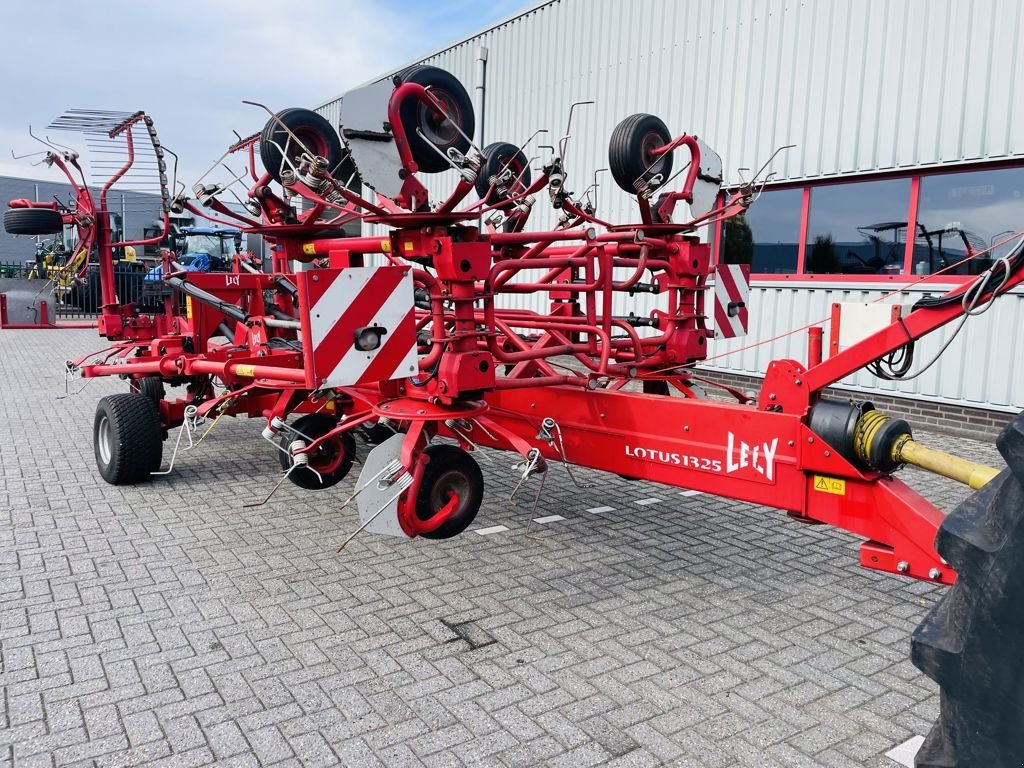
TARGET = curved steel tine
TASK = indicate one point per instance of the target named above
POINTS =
(533, 135)
(276, 119)
(597, 186)
(564, 141)
(235, 177)
(174, 168)
(215, 164)
(771, 158)
(440, 108)
(62, 146)
(42, 141)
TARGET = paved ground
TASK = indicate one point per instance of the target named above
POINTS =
(168, 625)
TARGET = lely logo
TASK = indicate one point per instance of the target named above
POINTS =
(230, 280)
(759, 457)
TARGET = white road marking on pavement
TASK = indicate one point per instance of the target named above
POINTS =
(904, 753)
(690, 493)
(645, 502)
(599, 510)
(548, 519)
(492, 529)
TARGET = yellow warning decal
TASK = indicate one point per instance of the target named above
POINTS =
(408, 245)
(385, 246)
(188, 307)
(825, 484)
(245, 370)
(309, 249)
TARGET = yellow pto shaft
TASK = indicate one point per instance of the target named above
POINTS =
(909, 451)
(885, 443)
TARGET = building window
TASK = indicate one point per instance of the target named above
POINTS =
(767, 236)
(858, 228)
(960, 214)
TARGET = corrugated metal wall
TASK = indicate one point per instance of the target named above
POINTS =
(860, 86)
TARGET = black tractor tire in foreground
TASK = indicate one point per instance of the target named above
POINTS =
(629, 151)
(127, 438)
(972, 642)
(32, 221)
(332, 460)
(438, 133)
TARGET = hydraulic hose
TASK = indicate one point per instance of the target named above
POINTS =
(233, 311)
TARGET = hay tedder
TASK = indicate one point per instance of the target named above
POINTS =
(413, 334)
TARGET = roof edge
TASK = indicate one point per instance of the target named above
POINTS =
(534, 6)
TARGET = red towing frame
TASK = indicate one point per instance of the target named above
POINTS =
(428, 343)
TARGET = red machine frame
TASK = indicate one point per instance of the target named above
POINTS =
(764, 453)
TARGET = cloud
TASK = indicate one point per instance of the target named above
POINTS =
(190, 63)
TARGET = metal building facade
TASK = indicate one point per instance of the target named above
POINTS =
(861, 87)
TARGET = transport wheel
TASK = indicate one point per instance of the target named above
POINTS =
(311, 129)
(150, 386)
(332, 459)
(972, 642)
(437, 132)
(450, 470)
(32, 221)
(629, 151)
(127, 438)
(498, 157)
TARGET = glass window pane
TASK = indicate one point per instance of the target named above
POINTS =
(964, 213)
(767, 235)
(859, 228)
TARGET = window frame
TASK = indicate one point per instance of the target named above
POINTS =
(802, 276)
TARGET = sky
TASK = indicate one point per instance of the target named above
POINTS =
(189, 63)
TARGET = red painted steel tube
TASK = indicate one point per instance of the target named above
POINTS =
(814, 345)
(530, 238)
(247, 370)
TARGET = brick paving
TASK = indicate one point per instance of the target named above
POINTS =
(167, 624)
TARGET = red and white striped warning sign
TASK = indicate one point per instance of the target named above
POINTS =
(732, 292)
(337, 304)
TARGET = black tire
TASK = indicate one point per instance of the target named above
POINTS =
(332, 460)
(414, 114)
(150, 386)
(498, 157)
(972, 642)
(450, 469)
(32, 221)
(629, 151)
(656, 387)
(313, 130)
(377, 433)
(127, 438)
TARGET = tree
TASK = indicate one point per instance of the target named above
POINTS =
(738, 247)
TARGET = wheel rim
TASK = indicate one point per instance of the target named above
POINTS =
(311, 139)
(512, 164)
(104, 440)
(651, 142)
(435, 127)
(451, 482)
(328, 457)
